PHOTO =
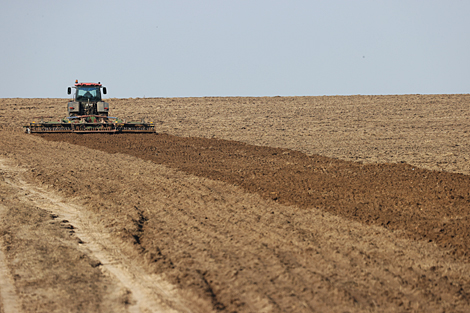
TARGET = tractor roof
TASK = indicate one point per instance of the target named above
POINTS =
(88, 84)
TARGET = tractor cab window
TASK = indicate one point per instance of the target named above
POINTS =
(88, 94)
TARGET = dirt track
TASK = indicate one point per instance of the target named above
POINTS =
(251, 228)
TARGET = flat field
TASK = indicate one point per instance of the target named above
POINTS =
(240, 204)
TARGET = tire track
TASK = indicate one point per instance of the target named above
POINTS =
(149, 293)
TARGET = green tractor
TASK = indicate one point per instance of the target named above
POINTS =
(88, 113)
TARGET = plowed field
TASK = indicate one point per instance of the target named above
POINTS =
(303, 204)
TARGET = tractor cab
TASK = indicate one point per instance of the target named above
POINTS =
(87, 100)
(87, 92)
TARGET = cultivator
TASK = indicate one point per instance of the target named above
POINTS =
(90, 124)
(87, 113)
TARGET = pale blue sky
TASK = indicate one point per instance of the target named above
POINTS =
(234, 48)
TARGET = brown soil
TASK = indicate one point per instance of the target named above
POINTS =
(426, 205)
(239, 227)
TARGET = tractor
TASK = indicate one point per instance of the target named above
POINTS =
(88, 113)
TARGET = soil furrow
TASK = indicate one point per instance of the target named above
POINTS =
(426, 205)
(257, 254)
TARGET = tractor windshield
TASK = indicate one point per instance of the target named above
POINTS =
(91, 94)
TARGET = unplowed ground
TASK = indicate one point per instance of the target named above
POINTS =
(256, 206)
